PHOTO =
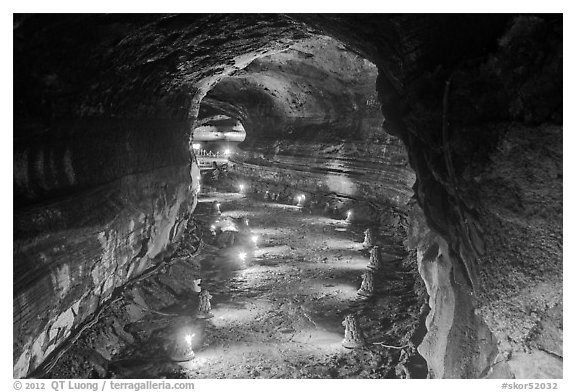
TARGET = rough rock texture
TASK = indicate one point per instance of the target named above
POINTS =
(458, 342)
(69, 260)
(490, 184)
(103, 181)
(131, 319)
(317, 89)
(314, 127)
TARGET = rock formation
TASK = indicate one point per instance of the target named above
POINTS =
(353, 335)
(204, 306)
(368, 239)
(367, 286)
(375, 258)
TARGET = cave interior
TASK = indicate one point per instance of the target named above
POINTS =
(288, 196)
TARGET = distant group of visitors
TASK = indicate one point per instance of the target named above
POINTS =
(218, 171)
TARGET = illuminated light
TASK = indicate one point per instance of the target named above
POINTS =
(212, 227)
(348, 216)
(242, 256)
(227, 151)
(218, 205)
(241, 186)
(300, 199)
(196, 146)
(255, 239)
(181, 349)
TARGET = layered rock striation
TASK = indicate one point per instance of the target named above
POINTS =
(314, 126)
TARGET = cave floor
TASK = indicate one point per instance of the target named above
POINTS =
(278, 313)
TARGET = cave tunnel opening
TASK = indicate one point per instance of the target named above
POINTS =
(334, 196)
(289, 209)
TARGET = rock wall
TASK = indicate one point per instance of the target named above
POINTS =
(359, 171)
(458, 343)
(103, 179)
(314, 126)
(71, 254)
(489, 175)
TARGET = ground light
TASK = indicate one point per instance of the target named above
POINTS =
(348, 216)
(301, 199)
(181, 348)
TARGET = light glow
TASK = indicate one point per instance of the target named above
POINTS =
(242, 256)
(348, 214)
(188, 338)
(241, 186)
(227, 151)
(196, 146)
(255, 239)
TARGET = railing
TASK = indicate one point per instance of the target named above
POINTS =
(204, 153)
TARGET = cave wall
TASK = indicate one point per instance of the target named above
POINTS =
(485, 140)
(317, 89)
(104, 182)
(98, 202)
(314, 126)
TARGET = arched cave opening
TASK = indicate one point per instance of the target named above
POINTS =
(440, 134)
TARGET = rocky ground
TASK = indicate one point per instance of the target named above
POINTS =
(282, 280)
